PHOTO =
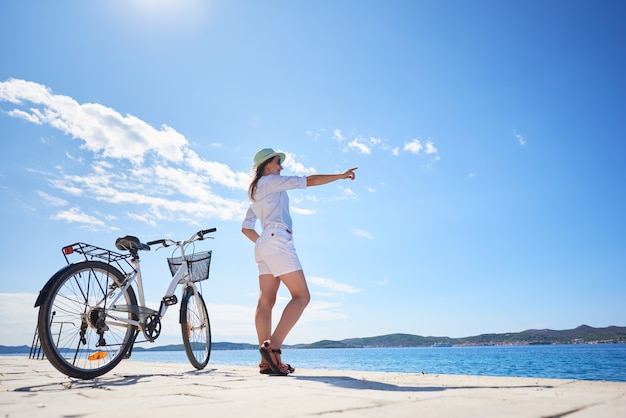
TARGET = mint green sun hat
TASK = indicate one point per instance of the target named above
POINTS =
(265, 154)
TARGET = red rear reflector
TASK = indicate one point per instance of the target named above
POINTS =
(68, 250)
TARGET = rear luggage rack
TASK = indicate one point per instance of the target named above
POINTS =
(91, 252)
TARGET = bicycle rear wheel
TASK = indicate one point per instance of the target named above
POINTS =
(77, 333)
(196, 328)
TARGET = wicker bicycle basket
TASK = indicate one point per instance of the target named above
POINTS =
(198, 263)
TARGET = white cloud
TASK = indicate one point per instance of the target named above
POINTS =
(414, 146)
(16, 113)
(295, 167)
(338, 136)
(232, 322)
(75, 215)
(141, 218)
(348, 193)
(20, 329)
(363, 234)
(332, 285)
(371, 144)
(383, 282)
(51, 200)
(430, 148)
(302, 211)
(323, 311)
(236, 322)
(103, 130)
(71, 157)
(520, 139)
(359, 146)
(149, 171)
(217, 172)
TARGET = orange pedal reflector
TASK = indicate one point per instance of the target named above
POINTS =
(98, 355)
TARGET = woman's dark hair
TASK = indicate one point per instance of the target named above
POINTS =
(257, 176)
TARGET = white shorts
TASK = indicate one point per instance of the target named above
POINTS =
(275, 252)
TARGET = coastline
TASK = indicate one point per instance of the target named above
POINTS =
(33, 388)
(577, 362)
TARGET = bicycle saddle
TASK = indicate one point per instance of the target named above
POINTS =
(130, 243)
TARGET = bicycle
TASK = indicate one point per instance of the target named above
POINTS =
(90, 314)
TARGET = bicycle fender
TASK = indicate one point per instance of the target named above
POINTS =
(43, 293)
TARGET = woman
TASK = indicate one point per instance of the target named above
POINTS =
(275, 253)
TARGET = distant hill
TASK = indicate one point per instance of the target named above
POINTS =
(583, 334)
(579, 335)
(214, 346)
(21, 349)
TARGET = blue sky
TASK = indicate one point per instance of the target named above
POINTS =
(488, 134)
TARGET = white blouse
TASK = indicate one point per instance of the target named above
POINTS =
(271, 202)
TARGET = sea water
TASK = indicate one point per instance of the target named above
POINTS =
(581, 362)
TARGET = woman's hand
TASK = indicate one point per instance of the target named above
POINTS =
(349, 174)
(251, 234)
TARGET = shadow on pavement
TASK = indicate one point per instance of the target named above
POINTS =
(352, 383)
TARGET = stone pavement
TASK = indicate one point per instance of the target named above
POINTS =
(33, 388)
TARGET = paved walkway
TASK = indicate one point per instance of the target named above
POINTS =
(33, 388)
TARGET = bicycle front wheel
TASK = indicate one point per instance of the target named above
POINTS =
(196, 328)
(78, 333)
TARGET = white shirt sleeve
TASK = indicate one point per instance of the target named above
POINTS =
(250, 220)
(272, 184)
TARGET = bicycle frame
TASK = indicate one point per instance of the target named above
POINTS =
(143, 311)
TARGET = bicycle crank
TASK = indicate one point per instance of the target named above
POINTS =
(152, 327)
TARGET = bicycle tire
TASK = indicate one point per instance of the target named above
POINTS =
(69, 318)
(196, 328)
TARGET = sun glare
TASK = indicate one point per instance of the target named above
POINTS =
(163, 8)
(163, 12)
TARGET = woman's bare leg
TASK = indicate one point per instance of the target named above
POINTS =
(268, 286)
(300, 297)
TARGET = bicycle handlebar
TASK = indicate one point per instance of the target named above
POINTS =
(199, 236)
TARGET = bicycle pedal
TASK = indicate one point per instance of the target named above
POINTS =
(170, 300)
